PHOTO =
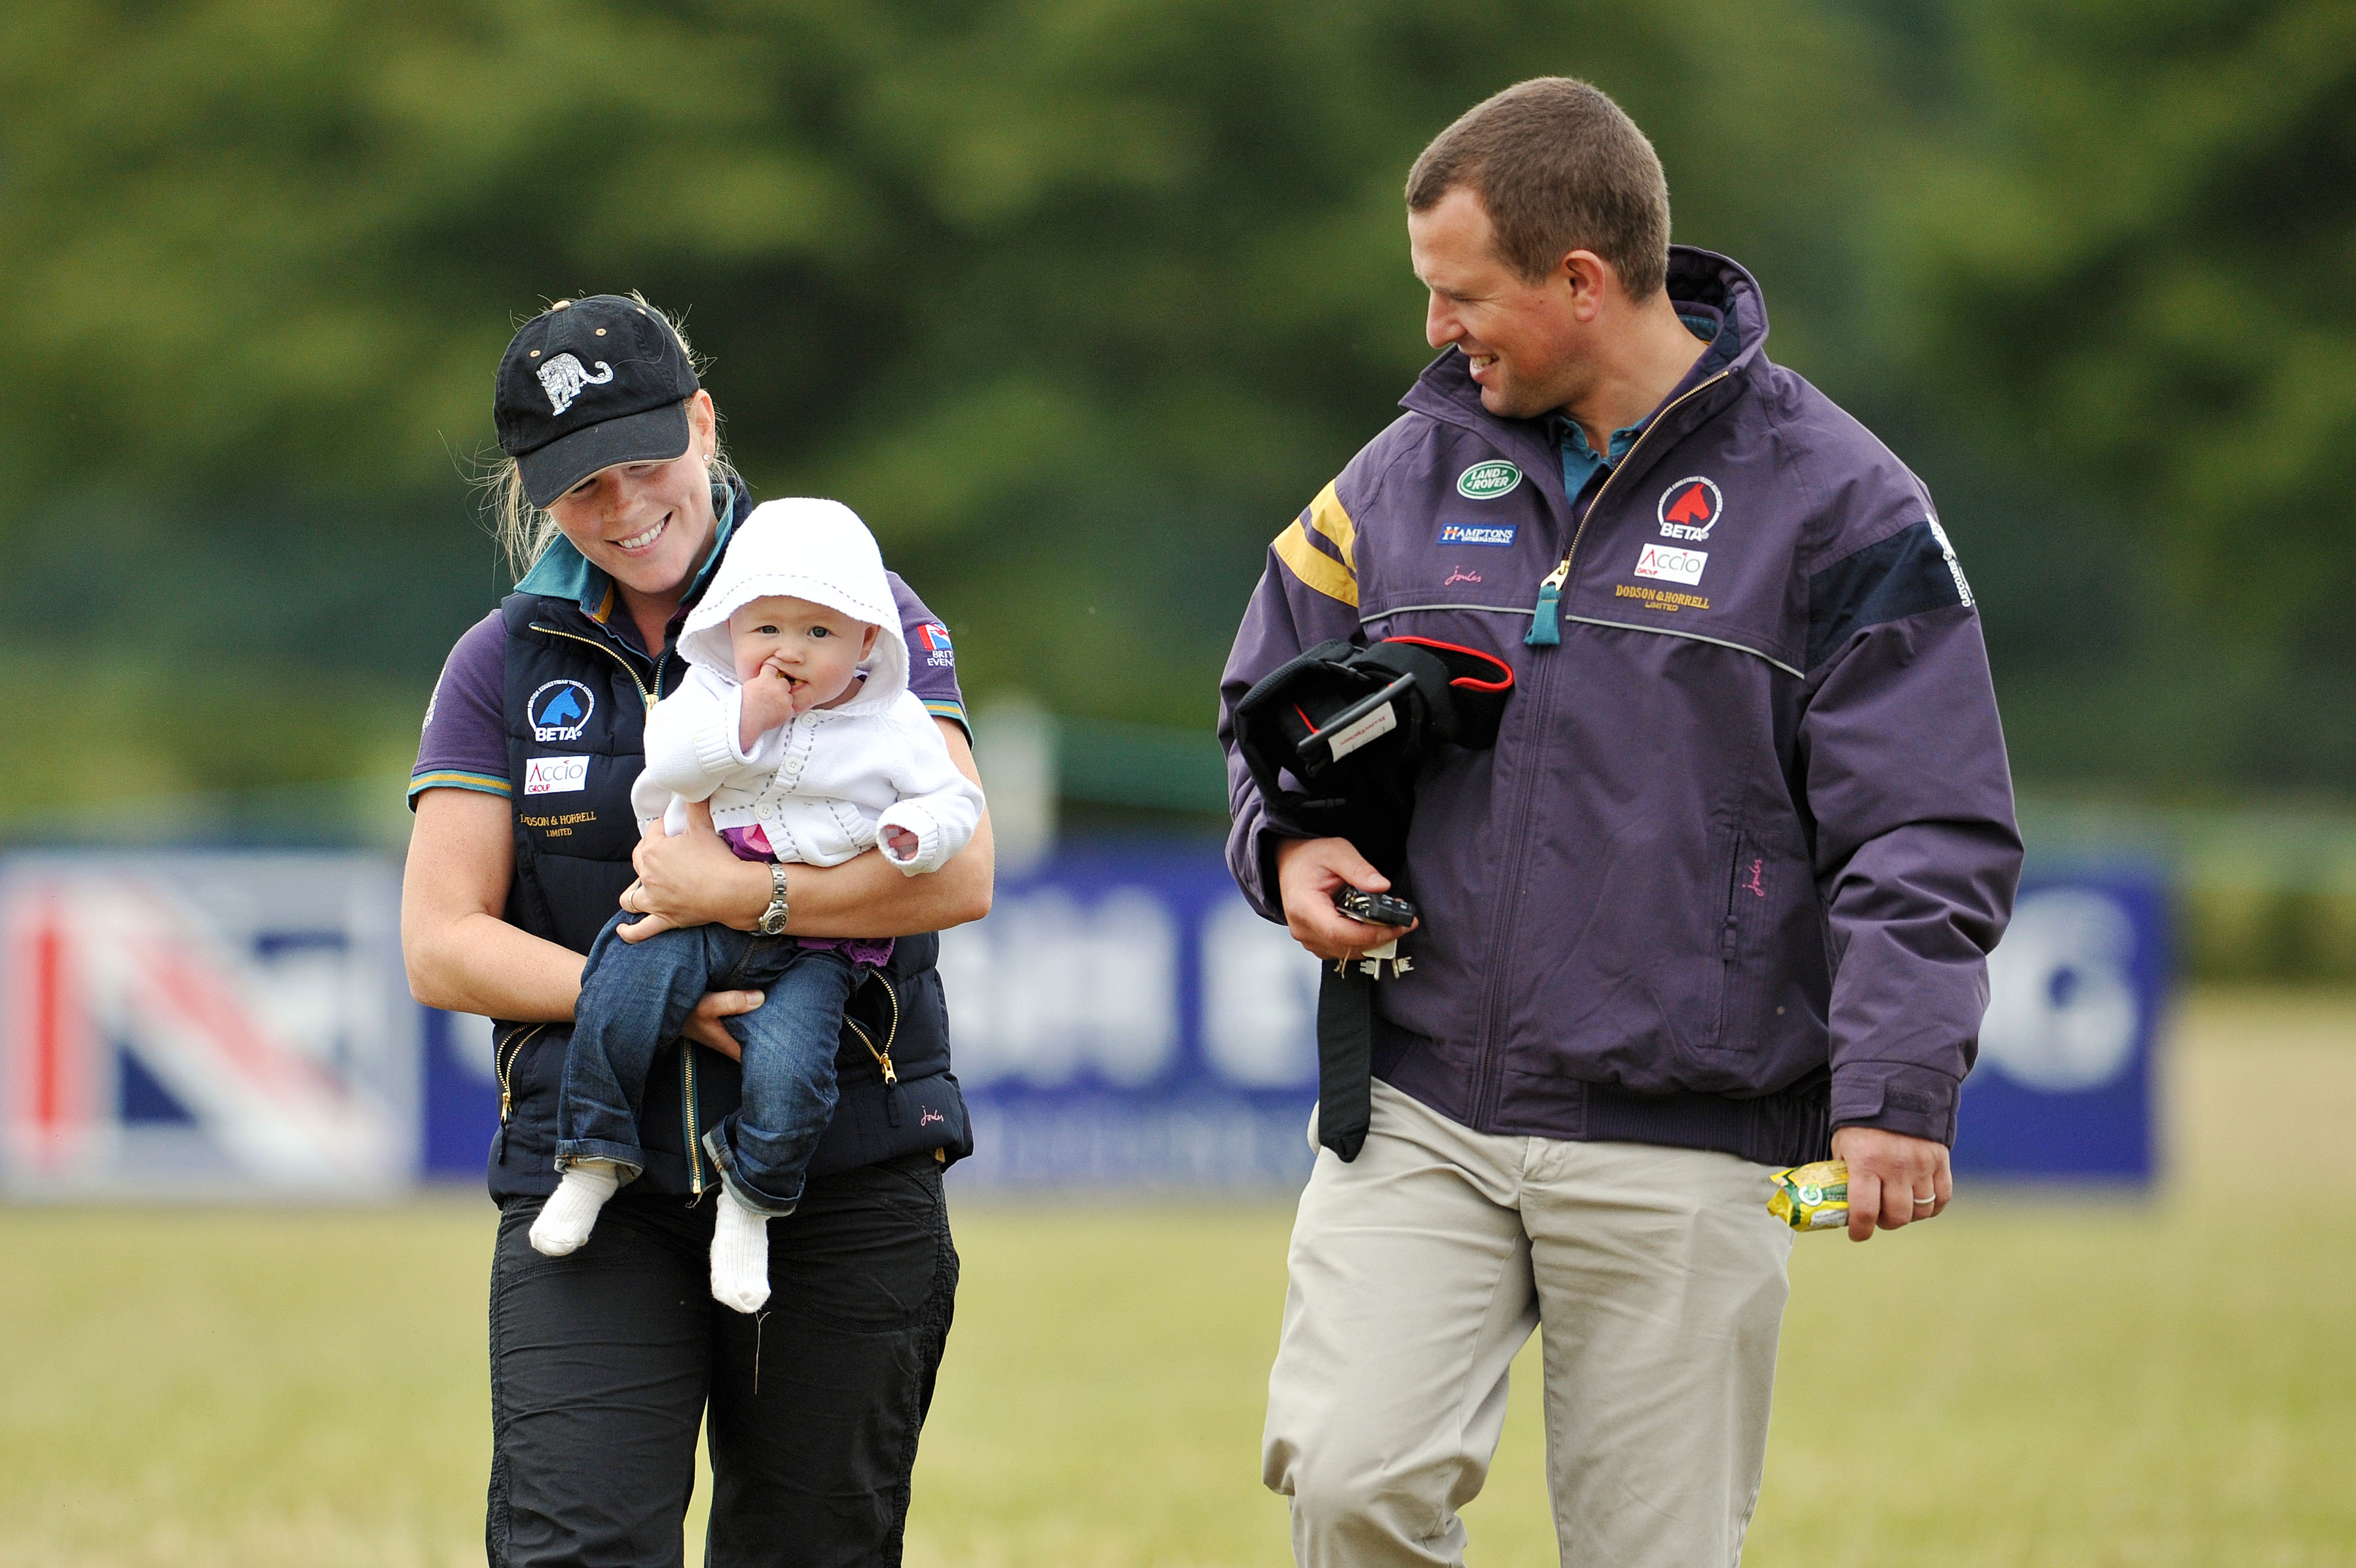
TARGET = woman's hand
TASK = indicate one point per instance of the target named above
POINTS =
(703, 1026)
(693, 878)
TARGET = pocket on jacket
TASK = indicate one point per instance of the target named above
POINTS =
(1770, 912)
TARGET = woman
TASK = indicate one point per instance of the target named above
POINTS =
(614, 495)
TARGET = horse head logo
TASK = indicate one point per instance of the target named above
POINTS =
(563, 378)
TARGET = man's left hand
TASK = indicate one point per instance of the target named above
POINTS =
(1893, 1179)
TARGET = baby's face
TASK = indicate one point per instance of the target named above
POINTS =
(815, 650)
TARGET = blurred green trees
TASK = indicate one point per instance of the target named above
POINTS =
(1078, 301)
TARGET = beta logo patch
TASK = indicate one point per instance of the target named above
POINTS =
(560, 711)
(1672, 563)
(556, 775)
(1477, 533)
(933, 638)
(1689, 508)
(1487, 480)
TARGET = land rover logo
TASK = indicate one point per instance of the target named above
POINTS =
(1487, 480)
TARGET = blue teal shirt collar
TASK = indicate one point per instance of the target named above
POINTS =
(1580, 460)
(563, 573)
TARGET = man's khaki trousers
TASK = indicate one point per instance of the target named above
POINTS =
(1656, 1277)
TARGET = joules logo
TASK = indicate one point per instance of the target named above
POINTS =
(1672, 563)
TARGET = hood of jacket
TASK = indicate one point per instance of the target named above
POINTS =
(802, 547)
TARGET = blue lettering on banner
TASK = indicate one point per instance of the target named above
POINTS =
(1478, 533)
(2064, 1085)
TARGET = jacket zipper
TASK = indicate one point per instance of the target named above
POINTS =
(686, 1047)
(505, 1066)
(884, 1056)
(1727, 940)
(645, 694)
(1544, 632)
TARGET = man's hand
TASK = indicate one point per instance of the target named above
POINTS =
(1309, 873)
(1893, 1179)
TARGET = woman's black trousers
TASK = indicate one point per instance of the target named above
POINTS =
(603, 1363)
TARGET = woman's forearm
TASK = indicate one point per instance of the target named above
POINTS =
(480, 964)
(692, 878)
(869, 896)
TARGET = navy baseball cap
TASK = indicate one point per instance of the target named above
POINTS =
(586, 385)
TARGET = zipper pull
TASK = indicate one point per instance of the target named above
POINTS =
(1545, 632)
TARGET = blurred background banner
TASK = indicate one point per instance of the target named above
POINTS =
(190, 1026)
(1123, 1017)
(2077, 991)
(236, 1024)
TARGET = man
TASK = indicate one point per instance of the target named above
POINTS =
(1721, 895)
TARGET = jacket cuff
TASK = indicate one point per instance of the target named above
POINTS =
(1896, 1097)
(717, 752)
(914, 819)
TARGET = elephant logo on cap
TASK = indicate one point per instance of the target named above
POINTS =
(563, 378)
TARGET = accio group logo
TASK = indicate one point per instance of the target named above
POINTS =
(560, 711)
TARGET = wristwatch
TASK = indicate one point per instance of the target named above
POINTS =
(773, 919)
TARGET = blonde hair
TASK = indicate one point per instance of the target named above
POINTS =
(524, 531)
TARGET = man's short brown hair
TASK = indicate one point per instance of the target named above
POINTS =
(1559, 168)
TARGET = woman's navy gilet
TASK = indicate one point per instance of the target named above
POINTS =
(576, 703)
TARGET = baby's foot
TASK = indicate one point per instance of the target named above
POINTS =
(740, 1256)
(571, 1211)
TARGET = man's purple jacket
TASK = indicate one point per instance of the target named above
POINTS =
(1731, 877)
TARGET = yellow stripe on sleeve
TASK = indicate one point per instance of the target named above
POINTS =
(1315, 568)
(456, 778)
(1326, 516)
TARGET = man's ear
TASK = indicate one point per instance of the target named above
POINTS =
(1586, 275)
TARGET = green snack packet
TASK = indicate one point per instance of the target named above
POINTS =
(1811, 1197)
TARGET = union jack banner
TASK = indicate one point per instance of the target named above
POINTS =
(202, 1025)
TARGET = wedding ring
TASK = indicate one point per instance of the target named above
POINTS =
(1924, 1202)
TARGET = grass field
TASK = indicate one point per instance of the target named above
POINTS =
(2031, 1381)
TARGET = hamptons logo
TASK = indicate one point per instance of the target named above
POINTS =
(1478, 533)
(1487, 480)
(1671, 562)
(560, 711)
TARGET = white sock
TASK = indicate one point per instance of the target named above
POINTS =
(740, 1256)
(571, 1211)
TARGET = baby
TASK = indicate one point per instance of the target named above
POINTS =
(796, 722)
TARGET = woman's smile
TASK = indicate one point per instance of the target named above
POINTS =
(640, 543)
